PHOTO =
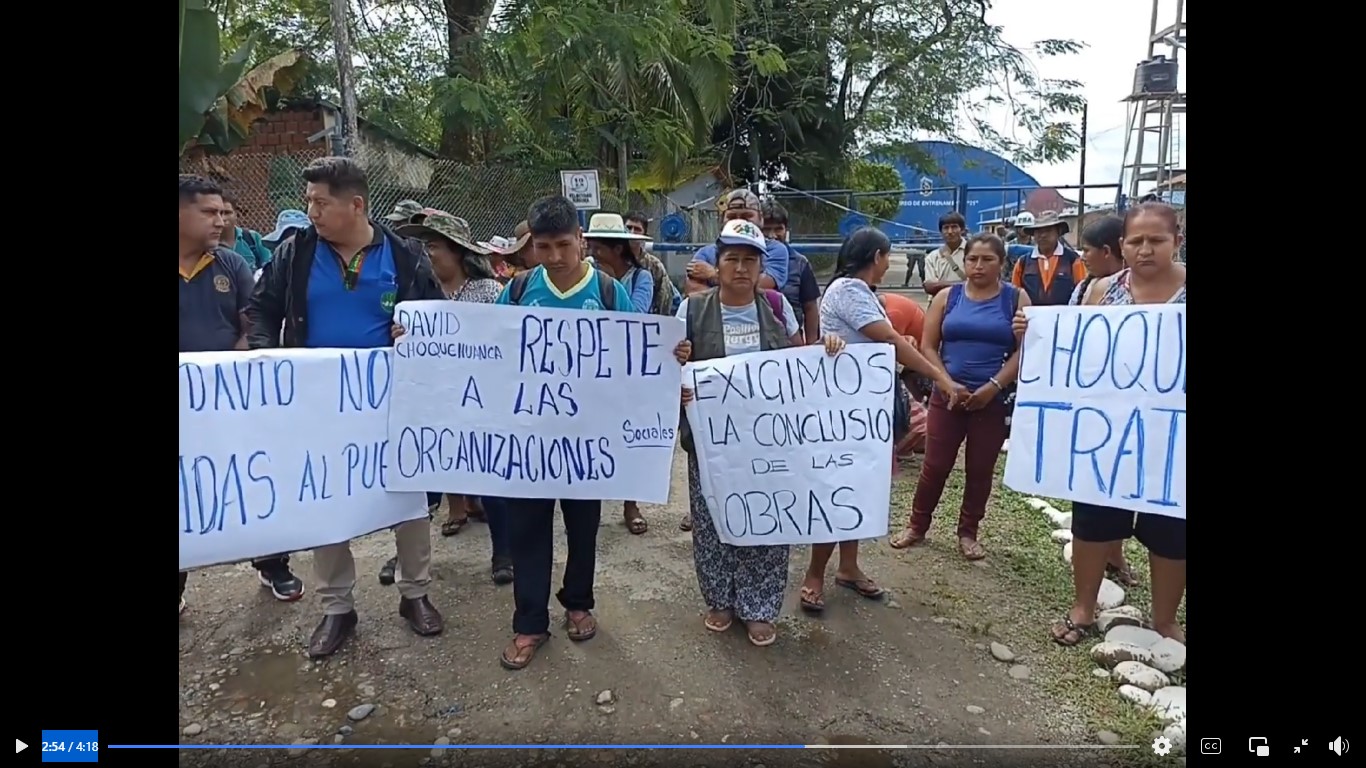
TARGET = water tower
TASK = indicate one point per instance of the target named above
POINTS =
(1156, 106)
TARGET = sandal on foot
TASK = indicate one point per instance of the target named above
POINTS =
(970, 548)
(584, 628)
(1125, 576)
(907, 538)
(1072, 632)
(718, 621)
(812, 600)
(685, 525)
(865, 587)
(761, 634)
(523, 650)
(452, 527)
(637, 525)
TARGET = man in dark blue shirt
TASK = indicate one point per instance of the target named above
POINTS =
(801, 289)
(215, 287)
(335, 284)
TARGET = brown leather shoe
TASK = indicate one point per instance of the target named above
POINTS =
(331, 634)
(421, 615)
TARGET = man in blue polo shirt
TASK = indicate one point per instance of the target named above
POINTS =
(739, 204)
(215, 288)
(335, 284)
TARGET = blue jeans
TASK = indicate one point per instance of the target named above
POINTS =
(496, 511)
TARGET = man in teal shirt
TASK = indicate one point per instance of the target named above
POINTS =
(245, 242)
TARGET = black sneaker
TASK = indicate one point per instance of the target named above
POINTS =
(386, 573)
(502, 570)
(282, 582)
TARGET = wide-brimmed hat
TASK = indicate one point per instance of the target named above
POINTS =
(287, 220)
(742, 232)
(404, 211)
(1045, 220)
(506, 246)
(609, 226)
(446, 225)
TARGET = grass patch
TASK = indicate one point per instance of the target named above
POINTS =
(1016, 594)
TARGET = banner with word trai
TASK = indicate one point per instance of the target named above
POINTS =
(283, 450)
(1100, 416)
(534, 403)
(795, 446)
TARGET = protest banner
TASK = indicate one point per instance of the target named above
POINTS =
(530, 402)
(283, 450)
(1100, 415)
(795, 446)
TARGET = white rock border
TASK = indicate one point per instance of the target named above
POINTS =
(1135, 658)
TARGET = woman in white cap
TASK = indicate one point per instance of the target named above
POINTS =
(733, 318)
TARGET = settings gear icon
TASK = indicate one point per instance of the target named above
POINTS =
(1162, 746)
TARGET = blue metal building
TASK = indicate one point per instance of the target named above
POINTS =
(995, 188)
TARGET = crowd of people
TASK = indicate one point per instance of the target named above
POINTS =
(330, 276)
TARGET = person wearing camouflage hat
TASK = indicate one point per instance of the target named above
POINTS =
(739, 204)
(404, 212)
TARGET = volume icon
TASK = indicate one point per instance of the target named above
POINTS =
(1338, 746)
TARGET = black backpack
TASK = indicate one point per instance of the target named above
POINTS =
(606, 291)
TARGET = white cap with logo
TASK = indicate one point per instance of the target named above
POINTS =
(742, 232)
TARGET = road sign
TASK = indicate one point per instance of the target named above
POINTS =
(581, 187)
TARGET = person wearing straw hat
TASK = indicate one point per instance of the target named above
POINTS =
(609, 248)
(509, 255)
(1051, 271)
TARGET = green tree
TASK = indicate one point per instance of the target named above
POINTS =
(220, 98)
(867, 176)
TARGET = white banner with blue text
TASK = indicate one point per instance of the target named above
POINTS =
(795, 446)
(283, 450)
(1100, 415)
(534, 403)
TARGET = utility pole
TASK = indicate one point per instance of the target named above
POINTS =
(1081, 192)
(346, 76)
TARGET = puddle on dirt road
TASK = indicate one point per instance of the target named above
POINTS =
(278, 696)
(854, 758)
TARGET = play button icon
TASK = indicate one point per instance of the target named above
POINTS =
(19, 746)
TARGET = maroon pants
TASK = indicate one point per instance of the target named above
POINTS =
(984, 431)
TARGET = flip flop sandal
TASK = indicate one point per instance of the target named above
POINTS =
(971, 549)
(452, 527)
(811, 600)
(523, 654)
(763, 641)
(685, 525)
(865, 588)
(575, 630)
(718, 628)
(1079, 631)
(637, 525)
(907, 539)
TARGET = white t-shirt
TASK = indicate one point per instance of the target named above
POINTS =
(740, 325)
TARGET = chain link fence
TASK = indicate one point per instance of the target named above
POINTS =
(493, 198)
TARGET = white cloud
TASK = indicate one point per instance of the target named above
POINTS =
(1115, 33)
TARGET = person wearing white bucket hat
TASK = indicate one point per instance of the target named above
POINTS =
(609, 246)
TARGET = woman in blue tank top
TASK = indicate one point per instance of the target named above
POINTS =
(968, 333)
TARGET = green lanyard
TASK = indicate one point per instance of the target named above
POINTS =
(351, 271)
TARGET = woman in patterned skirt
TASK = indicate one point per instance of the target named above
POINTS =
(737, 582)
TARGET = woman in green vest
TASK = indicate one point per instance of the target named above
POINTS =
(734, 318)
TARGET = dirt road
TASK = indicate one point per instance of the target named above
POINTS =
(865, 673)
